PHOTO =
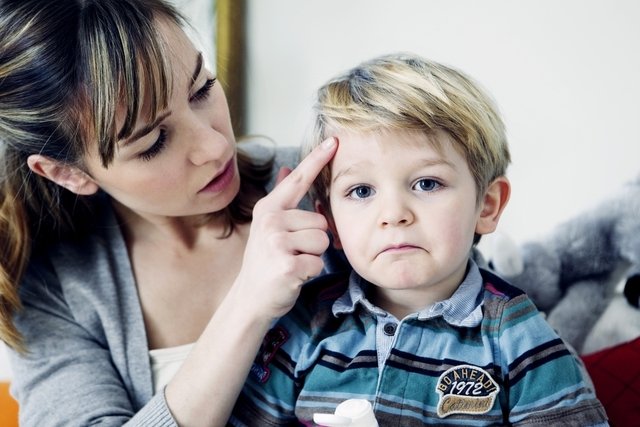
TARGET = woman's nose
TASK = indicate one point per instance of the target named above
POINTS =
(205, 143)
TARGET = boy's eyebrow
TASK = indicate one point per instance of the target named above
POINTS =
(423, 163)
(344, 172)
(437, 162)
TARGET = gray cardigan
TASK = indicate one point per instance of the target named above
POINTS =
(88, 360)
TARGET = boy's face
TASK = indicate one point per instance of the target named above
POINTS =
(404, 212)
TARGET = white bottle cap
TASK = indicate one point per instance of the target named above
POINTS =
(359, 410)
(331, 420)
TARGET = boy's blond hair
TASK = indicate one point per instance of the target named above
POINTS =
(406, 92)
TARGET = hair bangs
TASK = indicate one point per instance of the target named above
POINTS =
(128, 78)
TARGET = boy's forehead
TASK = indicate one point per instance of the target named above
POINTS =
(391, 139)
(361, 151)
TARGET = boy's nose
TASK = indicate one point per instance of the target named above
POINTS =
(394, 212)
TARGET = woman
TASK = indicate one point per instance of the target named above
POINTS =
(131, 221)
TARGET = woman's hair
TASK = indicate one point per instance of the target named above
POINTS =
(66, 66)
(409, 93)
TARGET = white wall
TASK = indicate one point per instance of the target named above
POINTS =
(566, 75)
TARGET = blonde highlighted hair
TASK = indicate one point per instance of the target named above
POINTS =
(403, 91)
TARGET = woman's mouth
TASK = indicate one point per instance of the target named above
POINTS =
(222, 180)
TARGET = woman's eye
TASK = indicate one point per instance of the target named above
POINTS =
(427, 184)
(156, 148)
(204, 92)
(361, 192)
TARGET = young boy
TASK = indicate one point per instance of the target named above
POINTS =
(416, 328)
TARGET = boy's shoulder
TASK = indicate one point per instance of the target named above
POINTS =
(312, 313)
(505, 301)
(321, 292)
(499, 287)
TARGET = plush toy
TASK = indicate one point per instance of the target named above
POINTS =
(573, 273)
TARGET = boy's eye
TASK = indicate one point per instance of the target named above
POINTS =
(361, 192)
(427, 184)
(204, 92)
(156, 148)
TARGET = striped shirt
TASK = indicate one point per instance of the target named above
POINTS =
(485, 356)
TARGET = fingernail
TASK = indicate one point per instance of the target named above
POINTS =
(329, 143)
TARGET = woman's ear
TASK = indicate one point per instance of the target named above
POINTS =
(493, 203)
(67, 176)
(332, 226)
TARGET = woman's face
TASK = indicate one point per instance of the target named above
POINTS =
(184, 163)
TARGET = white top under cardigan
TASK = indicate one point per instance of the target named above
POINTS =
(165, 362)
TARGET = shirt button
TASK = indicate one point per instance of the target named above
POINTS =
(389, 329)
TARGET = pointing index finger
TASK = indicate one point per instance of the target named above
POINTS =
(294, 186)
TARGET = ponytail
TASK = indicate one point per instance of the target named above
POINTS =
(14, 252)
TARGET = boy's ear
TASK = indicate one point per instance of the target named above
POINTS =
(332, 226)
(67, 176)
(493, 203)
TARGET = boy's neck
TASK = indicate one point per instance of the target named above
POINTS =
(403, 302)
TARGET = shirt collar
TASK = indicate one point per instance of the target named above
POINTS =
(463, 308)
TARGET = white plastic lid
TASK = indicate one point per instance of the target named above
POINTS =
(351, 413)
(331, 420)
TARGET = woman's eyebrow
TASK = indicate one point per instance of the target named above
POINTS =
(196, 71)
(147, 128)
(151, 126)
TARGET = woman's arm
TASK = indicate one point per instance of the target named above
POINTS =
(88, 360)
(284, 249)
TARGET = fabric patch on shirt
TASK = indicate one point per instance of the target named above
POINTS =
(466, 389)
(274, 339)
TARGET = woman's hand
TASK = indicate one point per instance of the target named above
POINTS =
(285, 243)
